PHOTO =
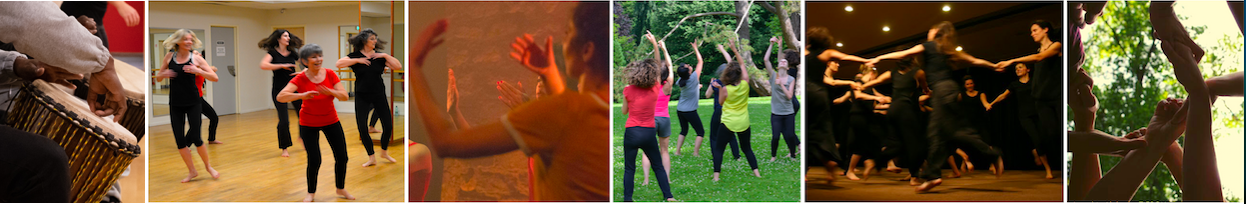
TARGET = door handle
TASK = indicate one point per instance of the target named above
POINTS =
(232, 72)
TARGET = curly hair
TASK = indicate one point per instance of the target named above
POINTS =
(358, 41)
(732, 74)
(793, 57)
(642, 73)
(271, 42)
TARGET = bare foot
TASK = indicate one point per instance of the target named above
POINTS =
(999, 169)
(645, 182)
(913, 181)
(311, 197)
(894, 169)
(928, 185)
(852, 176)
(285, 153)
(373, 130)
(1049, 176)
(190, 176)
(955, 174)
(968, 167)
(671, 200)
(715, 177)
(773, 158)
(344, 195)
(387, 158)
(757, 173)
(696, 154)
(214, 173)
(215, 142)
(371, 161)
(866, 175)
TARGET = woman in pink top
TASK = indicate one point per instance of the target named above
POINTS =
(661, 114)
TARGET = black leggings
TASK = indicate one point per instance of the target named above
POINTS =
(283, 118)
(365, 103)
(375, 117)
(213, 121)
(1049, 122)
(690, 117)
(1029, 124)
(784, 125)
(180, 115)
(642, 138)
(910, 129)
(949, 126)
(863, 140)
(715, 121)
(337, 142)
(744, 145)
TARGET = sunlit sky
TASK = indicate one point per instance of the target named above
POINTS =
(1220, 22)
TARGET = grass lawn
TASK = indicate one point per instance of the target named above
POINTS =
(691, 177)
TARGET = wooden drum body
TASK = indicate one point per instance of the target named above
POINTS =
(133, 81)
(99, 150)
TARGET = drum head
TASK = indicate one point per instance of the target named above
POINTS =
(82, 110)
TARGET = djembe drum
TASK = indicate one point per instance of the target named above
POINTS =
(99, 150)
(133, 81)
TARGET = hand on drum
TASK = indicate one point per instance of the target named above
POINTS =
(105, 82)
(30, 69)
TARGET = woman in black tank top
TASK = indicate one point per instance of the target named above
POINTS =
(369, 66)
(281, 46)
(184, 100)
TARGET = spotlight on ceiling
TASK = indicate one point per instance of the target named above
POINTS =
(848, 8)
(839, 44)
(958, 48)
(947, 8)
(885, 28)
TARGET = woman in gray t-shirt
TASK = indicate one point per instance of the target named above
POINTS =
(782, 111)
(689, 87)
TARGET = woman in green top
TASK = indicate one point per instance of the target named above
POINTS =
(735, 112)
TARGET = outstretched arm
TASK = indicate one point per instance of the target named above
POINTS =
(1203, 178)
(670, 69)
(963, 57)
(1051, 51)
(999, 98)
(766, 57)
(696, 74)
(885, 77)
(918, 49)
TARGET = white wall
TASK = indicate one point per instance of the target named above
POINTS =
(254, 92)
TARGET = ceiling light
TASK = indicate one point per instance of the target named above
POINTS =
(839, 44)
(885, 28)
(947, 8)
(958, 48)
(848, 8)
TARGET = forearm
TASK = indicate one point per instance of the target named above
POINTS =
(8, 63)
(1226, 85)
(554, 82)
(1084, 175)
(392, 63)
(287, 96)
(270, 66)
(1122, 181)
(345, 62)
(459, 120)
(47, 34)
(1200, 156)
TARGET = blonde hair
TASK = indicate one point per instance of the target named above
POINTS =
(172, 42)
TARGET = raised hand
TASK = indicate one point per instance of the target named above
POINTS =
(427, 40)
(531, 56)
(452, 91)
(1168, 122)
(512, 96)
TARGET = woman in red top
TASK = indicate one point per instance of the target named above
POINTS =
(318, 115)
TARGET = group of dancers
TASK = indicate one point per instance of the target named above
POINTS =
(311, 89)
(646, 103)
(930, 114)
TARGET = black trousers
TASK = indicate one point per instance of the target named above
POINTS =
(34, 169)
(690, 117)
(1050, 123)
(369, 102)
(642, 138)
(715, 121)
(909, 124)
(283, 118)
(1029, 123)
(948, 125)
(213, 120)
(743, 137)
(863, 140)
(337, 143)
(180, 116)
(785, 126)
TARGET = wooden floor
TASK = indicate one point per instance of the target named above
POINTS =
(252, 169)
(981, 185)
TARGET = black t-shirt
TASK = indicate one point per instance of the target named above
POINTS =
(936, 64)
(972, 106)
(183, 91)
(281, 77)
(1020, 92)
(92, 9)
(368, 77)
(904, 87)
